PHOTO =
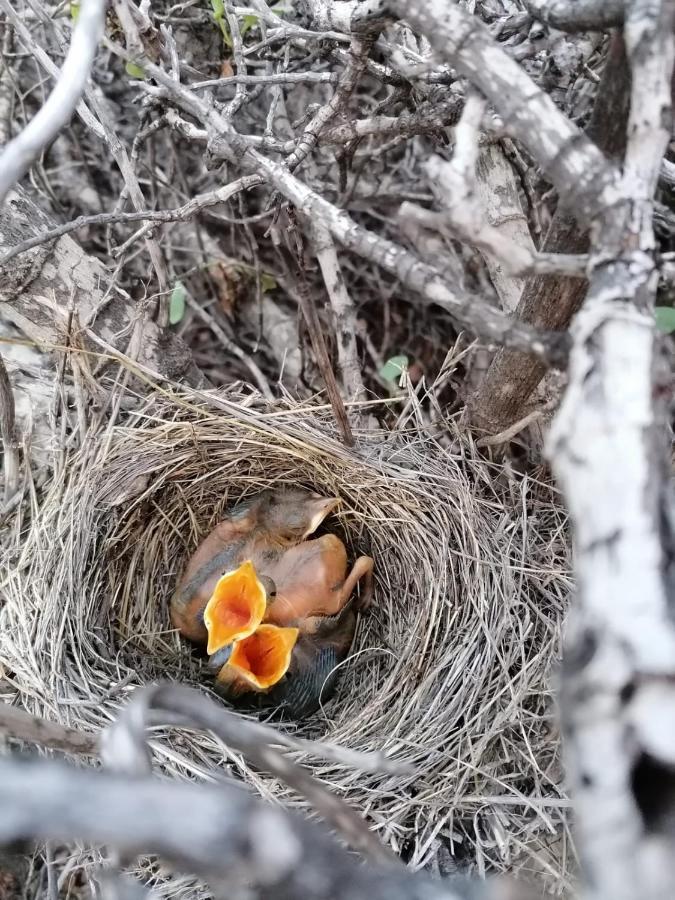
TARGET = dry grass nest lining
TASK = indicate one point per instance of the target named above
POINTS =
(450, 670)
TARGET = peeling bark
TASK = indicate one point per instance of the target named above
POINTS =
(38, 288)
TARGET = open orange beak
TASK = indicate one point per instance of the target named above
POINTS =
(236, 608)
(263, 658)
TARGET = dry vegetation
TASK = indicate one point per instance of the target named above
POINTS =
(280, 244)
(450, 672)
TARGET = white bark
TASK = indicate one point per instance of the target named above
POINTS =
(57, 111)
(607, 445)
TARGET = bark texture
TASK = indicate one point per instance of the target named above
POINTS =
(547, 301)
(40, 289)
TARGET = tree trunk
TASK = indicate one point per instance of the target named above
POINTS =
(548, 301)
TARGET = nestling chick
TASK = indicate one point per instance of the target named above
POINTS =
(263, 671)
(313, 598)
(259, 530)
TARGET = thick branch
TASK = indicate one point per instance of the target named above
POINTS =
(18, 724)
(573, 163)
(578, 15)
(608, 450)
(126, 741)
(548, 302)
(346, 16)
(222, 834)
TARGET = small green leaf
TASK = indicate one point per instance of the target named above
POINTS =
(392, 370)
(74, 10)
(665, 319)
(218, 8)
(134, 71)
(267, 282)
(177, 303)
(247, 23)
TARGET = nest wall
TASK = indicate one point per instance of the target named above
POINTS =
(451, 667)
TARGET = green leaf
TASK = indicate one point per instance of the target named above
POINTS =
(267, 282)
(218, 8)
(74, 10)
(247, 23)
(177, 303)
(665, 319)
(134, 71)
(392, 370)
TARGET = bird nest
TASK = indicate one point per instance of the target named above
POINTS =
(451, 666)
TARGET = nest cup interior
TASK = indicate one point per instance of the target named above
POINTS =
(450, 667)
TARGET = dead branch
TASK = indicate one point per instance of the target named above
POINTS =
(181, 214)
(223, 835)
(22, 726)
(470, 310)
(8, 433)
(578, 15)
(497, 193)
(125, 748)
(344, 314)
(19, 153)
(353, 15)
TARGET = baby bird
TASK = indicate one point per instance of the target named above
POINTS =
(260, 530)
(293, 669)
(312, 606)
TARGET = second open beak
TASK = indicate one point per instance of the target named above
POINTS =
(262, 659)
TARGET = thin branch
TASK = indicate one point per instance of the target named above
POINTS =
(407, 124)
(271, 79)
(21, 725)
(470, 310)
(180, 214)
(8, 433)
(359, 49)
(317, 338)
(344, 314)
(126, 743)
(18, 155)
(230, 347)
